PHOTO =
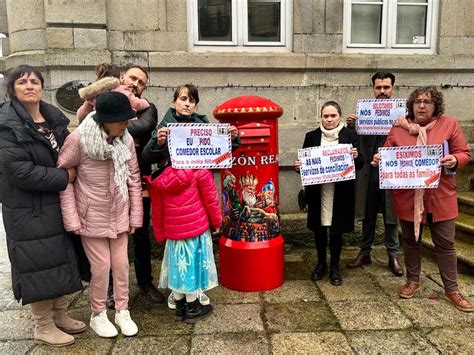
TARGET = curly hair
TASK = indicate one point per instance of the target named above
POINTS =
(435, 95)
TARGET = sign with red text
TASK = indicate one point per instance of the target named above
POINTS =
(320, 165)
(200, 145)
(413, 167)
(376, 117)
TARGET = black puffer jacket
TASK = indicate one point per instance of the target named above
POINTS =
(44, 264)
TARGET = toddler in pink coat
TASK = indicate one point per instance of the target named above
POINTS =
(184, 206)
(108, 79)
(104, 204)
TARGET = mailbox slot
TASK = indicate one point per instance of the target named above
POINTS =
(255, 134)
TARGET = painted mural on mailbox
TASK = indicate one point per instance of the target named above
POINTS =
(251, 211)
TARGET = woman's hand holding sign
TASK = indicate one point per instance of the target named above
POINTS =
(376, 160)
(162, 135)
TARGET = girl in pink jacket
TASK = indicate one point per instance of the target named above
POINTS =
(184, 206)
(104, 204)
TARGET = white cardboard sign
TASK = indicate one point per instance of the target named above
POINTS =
(411, 167)
(376, 117)
(200, 145)
(320, 165)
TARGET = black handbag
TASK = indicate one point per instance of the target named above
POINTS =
(302, 203)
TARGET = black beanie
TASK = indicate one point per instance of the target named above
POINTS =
(112, 107)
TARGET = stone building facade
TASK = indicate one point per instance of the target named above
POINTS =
(316, 63)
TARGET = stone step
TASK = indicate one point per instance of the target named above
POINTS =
(466, 202)
(464, 251)
(465, 228)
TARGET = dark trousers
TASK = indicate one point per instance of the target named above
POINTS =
(335, 245)
(142, 248)
(442, 234)
(376, 204)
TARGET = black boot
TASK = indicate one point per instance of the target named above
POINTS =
(335, 275)
(180, 312)
(320, 270)
(335, 248)
(196, 311)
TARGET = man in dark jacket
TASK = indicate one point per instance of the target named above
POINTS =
(370, 200)
(135, 79)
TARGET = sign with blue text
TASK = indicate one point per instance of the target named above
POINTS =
(376, 117)
(320, 165)
(411, 167)
(200, 145)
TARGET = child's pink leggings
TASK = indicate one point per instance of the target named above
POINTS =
(105, 254)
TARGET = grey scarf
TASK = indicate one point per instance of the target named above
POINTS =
(93, 140)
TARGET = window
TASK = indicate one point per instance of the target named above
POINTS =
(244, 25)
(393, 26)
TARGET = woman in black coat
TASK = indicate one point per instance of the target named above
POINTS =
(43, 262)
(331, 205)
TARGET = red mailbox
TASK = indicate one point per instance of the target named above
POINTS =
(251, 248)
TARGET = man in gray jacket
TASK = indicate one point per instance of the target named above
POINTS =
(370, 200)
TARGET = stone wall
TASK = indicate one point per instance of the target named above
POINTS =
(67, 38)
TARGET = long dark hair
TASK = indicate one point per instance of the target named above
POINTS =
(16, 73)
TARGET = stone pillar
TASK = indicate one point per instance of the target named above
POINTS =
(26, 25)
(3, 17)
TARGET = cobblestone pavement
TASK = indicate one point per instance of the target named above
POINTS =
(364, 315)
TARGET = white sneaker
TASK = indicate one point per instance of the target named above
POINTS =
(203, 299)
(102, 326)
(171, 301)
(125, 323)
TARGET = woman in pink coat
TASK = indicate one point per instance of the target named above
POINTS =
(427, 124)
(104, 205)
(184, 206)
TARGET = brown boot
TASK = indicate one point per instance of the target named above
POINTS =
(63, 321)
(409, 289)
(46, 331)
(394, 266)
(459, 300)
(359, 261)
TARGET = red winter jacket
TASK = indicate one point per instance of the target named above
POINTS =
(184, 203)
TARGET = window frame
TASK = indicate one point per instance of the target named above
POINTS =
(389, 29)
(240, 40)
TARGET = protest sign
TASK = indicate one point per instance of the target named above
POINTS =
(200, 145)
(376, 117)
(320, 165)
(413, 167)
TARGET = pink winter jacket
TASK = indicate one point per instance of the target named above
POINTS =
(93, 203)
(184, 202)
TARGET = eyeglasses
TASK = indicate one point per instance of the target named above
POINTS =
(425, 102)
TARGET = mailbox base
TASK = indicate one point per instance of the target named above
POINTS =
(251, 266)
